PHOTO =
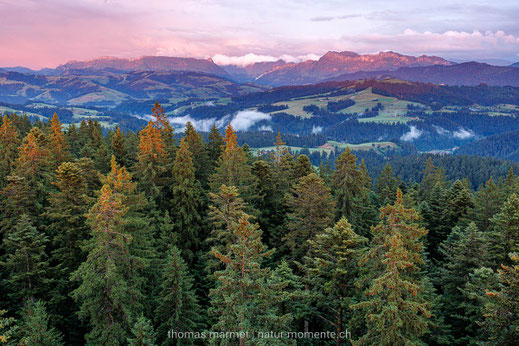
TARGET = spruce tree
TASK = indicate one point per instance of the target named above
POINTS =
(142, 333)
(350, 185)
(502, 308)
(106, 278)
(58, 143)
(464, 251)
(311, 212)
(332, 266)
(119, 148)
(302, 166)
(386, 186)
(234, 170)
(242, 300)
(35, 329)
(26, 262)
(487, 202)
(504, 237)
(178, 309)
(215, 146)
(395, 310)
(199, 154)
(9, 141)
(185, 202)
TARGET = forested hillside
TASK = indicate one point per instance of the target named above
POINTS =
(145, 238)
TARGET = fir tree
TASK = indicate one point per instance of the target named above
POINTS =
(58, 143)
(26, 262)
(215, 146)
(199, 154)
(178, 309)
(185, 203)
(464, 251)
(395, 310)
(106, 278)
(350, 185)
(386, 186)
(504, 237)
(502, 309)
(9, 142)
(142, 332)
(331, 263)
(234, 170)
(311, 211)
(487, 202)
(34, 329)
(242, 300)
(302, 167)
(119, 148)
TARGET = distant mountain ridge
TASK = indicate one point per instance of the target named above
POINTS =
(469, 73)
(336, 63)
(147, 63)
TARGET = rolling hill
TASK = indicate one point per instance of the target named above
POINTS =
(112, 88)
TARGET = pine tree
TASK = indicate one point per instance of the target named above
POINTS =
(311, 211)
(234, 170)
(395, 310)
(26, 262)
(502, 309)
(142, 332)
(7, 328)
(505, 234)
(185, 203)
(435, 212)
(106, 278)
(242, 300)
(332, 266)
(178, 307)
(35, 329)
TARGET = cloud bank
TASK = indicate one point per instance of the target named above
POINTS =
(241, 121)
(414, 133)
(251, 58)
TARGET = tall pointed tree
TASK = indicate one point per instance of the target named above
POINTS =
(9, 141)
(199, 154)
(234, 170)
(505, 234)
(502, 309)
(242, 300)
(332, 266)
(215, 146)
(26, 262)
(35, 328)
(185, 203)
(58, 143)
(178, 307)
(395, 310)
(311, 212)
(106, 278)
(350, 184)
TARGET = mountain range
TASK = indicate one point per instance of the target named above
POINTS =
(109, 81)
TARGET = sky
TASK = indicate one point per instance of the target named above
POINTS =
(46, 33)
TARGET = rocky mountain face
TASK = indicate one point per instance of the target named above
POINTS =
(145, 63)
(336, 63)
(469, 73)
